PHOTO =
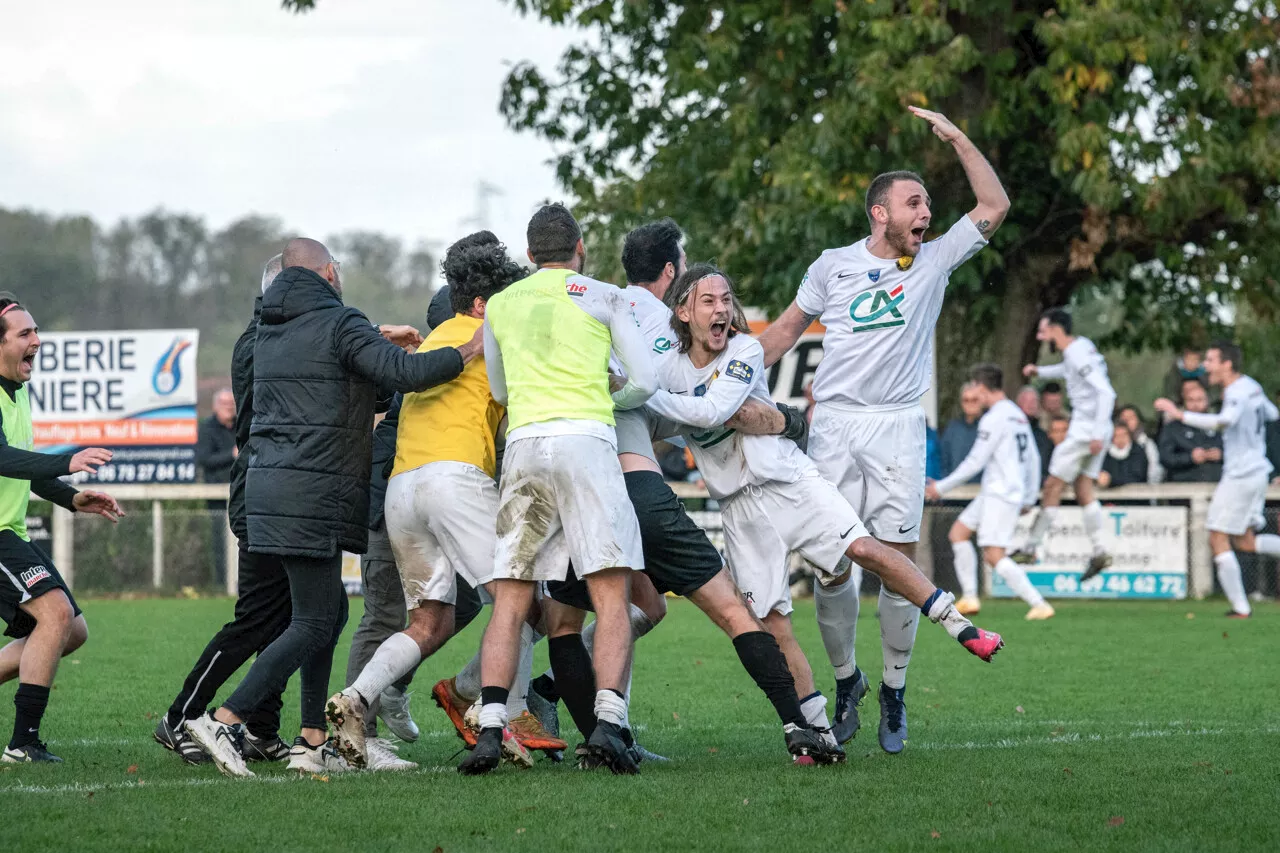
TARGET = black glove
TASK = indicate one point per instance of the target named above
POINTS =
(796, 427)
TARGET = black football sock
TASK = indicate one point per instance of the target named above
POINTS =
(30, 702)
(546, 687)
(767, 666)
(575, 679)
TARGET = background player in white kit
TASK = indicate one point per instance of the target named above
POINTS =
(1236, 509)
(1005, 452)
(879, 299)
(773, 499)
(1078, 459)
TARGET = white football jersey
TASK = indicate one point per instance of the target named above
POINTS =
(1005, 452)
(1243, 420)
(632, 426)
(880, 317)
(1093, 400)
(701, 399)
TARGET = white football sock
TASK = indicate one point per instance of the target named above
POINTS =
(965, 558)
(899, 619)
(524, 671)
(838, 624)
(467, 682)
(814, 708)
(1044, 520)
(611, 708)
(493, 716)
(1232, 581)
(1093, 526)
(1018, 581)
(942, 609)
(393, 659)
(1267, 543)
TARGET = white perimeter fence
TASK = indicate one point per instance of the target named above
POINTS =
(168, 543)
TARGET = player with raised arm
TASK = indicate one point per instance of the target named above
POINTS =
(1235, 512)
(36, 605)
(1078, 459)
(879, 300)
(1006, 455)
(773, 499)
(563, 499)
(679, 558)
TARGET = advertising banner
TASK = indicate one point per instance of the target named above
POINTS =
(1148, 544)
(131, 392)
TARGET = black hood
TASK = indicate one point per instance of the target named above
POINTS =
(297, 291)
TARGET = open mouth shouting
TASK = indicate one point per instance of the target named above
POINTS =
(28, 363)
(719, 333)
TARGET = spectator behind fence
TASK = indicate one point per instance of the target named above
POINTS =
(932, 463)
(215, 453)
(961, 432)
(1187, 367)
(1058, 429)
(1028, 401)
(1190, 454)
(1125, 463)
(1053, 404)
(1132, 418)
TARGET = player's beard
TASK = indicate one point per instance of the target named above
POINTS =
(897, 238)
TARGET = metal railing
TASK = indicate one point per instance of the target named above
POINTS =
(1195, 496)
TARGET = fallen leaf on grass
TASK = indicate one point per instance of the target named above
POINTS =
(1067, 770)
(929, 689)
(319, 778)
(744, 801)
(1191, 616)
(149, 715)
(438, 849)
(1116, 821)
(520, 830)
(712, 749)
(1019, 710)
(76, 662)
(674, 715)
(133, 768)
(697, 663)
(91, 795)
(933, 833)
(1224, 635)
(1204, 764)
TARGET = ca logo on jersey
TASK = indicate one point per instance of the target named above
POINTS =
(877, 309)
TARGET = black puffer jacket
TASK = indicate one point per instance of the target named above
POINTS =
(242, 388)
(319, 370)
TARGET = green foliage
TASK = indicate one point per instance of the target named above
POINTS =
(1139, 141)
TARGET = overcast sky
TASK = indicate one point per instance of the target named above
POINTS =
(375, 114)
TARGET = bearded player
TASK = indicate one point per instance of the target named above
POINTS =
(879, 299)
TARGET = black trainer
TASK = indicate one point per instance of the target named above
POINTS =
(487, 753)
(32, 753)
(270, 748)
(608, 747)
(1097, 563)
(849, 693)
(638, 752)
(180, 742)
(809, 746)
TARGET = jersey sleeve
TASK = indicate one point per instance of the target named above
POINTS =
(811, 297)
(493, 366)
(990, 433)
(952, 249)
(1052, 371)
(724, 396)
(1096, 376)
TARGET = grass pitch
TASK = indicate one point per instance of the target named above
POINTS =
(1143, 726)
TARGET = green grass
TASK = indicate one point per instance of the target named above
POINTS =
(1114, 726)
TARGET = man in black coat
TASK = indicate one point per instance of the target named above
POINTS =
(319, 369)
(262, 603)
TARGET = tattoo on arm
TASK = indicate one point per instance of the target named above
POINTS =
(983, 226)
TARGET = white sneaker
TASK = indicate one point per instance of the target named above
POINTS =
(345, 711)
(1040, 612)
(393, 709)
(382, 756)
(968, 605)
(305, 758)
(221, 742)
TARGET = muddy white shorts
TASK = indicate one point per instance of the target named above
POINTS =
(1072, 458)
(440, 520)
(563, 500)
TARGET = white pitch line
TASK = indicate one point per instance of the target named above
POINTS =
(1066, 739)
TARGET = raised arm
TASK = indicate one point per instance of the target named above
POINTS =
(993, 202)
(493, 364)
(782, 333)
